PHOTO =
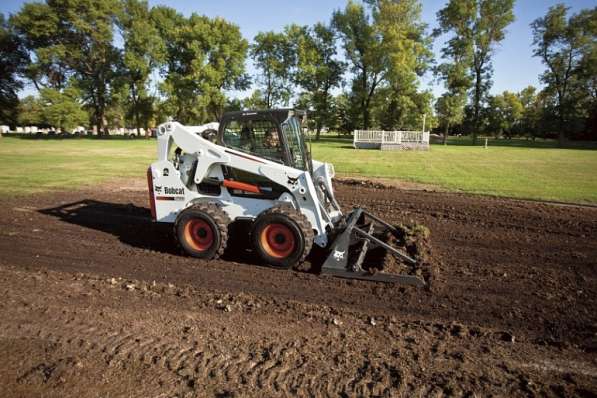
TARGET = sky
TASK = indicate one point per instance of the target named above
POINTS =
(514, 66)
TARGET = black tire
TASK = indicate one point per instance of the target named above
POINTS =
(202, 230)
(273, 231)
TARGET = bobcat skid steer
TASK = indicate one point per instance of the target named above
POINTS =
(255, 166)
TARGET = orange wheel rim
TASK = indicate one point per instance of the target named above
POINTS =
(199, 235)
(277, 240)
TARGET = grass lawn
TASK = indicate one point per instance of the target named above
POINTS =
(36, 165)
(505, 168)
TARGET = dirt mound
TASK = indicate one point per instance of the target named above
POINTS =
(361, 183)
(414, 240)
(386, 183)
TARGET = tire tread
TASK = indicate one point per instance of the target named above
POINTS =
(301, 220)
(219, 216)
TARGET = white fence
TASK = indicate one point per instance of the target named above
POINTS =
(387, 140)
(80, 129)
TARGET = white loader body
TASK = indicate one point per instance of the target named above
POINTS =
(256, 167)
(175, 179)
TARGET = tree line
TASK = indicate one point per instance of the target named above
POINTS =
(117, 63)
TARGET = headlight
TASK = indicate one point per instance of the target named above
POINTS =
(331, 170)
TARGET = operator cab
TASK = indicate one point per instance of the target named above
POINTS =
(275, 135)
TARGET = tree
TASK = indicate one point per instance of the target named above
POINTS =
(274, 56)
(455, 72)
(204, 58)
(73, 38)
(144, 50)
(567, 48)
(61, 109)
(344, 110)
(388, 51)
(407, 49)
(30, 112)
(532, 111)
(365, 53)
(586, 72)
(318, 71)
(233, 105)
(12, 60)
(480, 25)
(256, 101)
(505, 113)
(116, 111)
(450, 111)
(402, 110)
(37, 25)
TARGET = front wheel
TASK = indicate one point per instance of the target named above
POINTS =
(282, 236)
(202, 230)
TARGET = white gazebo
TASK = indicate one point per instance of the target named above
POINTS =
(391, 140)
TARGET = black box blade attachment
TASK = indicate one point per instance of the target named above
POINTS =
(337, 263)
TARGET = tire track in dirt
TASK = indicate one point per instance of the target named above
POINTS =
(396, 358)
(393, 211)
(277, 368)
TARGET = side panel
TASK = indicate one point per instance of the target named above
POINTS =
(169, 192)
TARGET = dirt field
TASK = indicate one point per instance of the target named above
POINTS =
(96, 301)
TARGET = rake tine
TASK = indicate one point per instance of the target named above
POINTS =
(384, 245)
(358, 266)
(382, 222)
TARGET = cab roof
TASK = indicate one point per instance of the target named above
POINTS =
(279, 115)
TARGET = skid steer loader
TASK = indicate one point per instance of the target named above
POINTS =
(255, 166)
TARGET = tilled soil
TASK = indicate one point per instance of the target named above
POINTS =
(97, 301)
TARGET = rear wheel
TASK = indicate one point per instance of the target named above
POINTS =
(202, 230)
(282, 236)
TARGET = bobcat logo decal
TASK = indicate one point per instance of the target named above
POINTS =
(338, 255)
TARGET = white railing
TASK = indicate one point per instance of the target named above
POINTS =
(35, 130)
(391, 137)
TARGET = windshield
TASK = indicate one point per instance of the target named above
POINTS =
(257, 136)
(296, 144)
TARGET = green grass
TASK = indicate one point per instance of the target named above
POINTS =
(509, 168)
(36, 165)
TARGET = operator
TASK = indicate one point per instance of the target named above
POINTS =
(246, 138)
(271, 140)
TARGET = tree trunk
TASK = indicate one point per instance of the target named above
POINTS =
(100, 121)
(446, 131)
(561, 135)
(137, 121)
(136, 107)
(100, 110)
(476, 105)
(366, 111)
(562, 120)
(364, 106)
(322, 112)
